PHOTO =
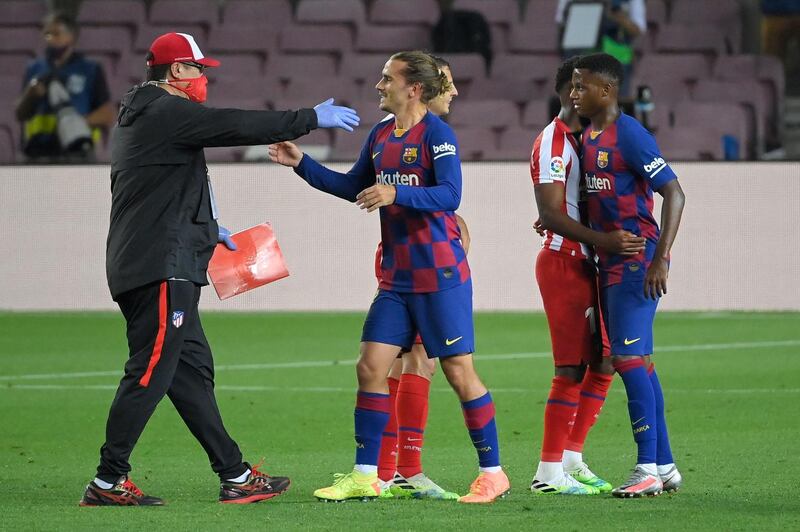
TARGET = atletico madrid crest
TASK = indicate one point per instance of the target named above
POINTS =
(602, 159)
(410, 155)
(177, 318)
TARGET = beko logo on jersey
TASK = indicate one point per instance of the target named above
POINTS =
(655, 166)
(443, 149)
(596, 184)
(397, 179)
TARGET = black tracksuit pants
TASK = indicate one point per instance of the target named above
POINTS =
(169, 354)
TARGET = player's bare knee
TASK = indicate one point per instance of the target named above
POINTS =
(574, 373)
(604, 366)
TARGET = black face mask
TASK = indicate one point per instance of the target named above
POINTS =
(55, 53)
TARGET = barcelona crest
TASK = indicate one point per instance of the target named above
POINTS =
(410, 154)
(602, 159)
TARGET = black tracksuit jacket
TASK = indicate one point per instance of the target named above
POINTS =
(161, 221)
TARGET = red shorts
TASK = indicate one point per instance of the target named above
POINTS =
(569, 292)
(378, 275)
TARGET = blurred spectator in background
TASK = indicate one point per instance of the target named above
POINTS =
(65, 102)
(461, 31)
(780, 25)
(623, 22)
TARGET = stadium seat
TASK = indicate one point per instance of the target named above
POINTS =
(475, 143)
(656, 14)
(721, 14)
(685, 67)
(202, 12)
(250, 39)
(484, 113)
(690, 144)
(26, 39)
(310, 38)
(15, 63)
(109, 65)
(110, 41)
(501, 16)
(365, 68)
(718, 119)
(673, 38)
(746, 92)
(23, 13)
(7, 148)
(419, 12)
(350, 12)
(467, 67)
(516, 143)
(131, 13)
(285, 67)
(148, 33)
(318, 137)
(526, 67)
(239, 66)
(266, 15)
(347, 146)
(385, 39)
(368, 110)
(537, 113)
(230, 88)
(225, 154)
(518, 91)
(538, 36)
(309, 89)
(667, 88)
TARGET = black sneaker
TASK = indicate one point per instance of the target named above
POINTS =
(123, 493)
(259, 486)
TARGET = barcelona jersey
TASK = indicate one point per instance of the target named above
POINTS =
(421, 241)
(622, 166)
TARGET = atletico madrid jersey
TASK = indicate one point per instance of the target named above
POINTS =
(421, 240)
(622, 167)
(554, 159)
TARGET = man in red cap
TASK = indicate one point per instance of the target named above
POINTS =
(162, 234)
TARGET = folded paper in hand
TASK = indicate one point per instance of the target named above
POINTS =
(257, 261)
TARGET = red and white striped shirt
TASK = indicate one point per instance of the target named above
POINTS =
(554, 159)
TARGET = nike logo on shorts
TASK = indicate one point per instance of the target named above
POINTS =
(449, 342)
(629, 342)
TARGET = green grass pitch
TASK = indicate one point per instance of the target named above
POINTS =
(730, 380)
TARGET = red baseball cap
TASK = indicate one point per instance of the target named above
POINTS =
(178, 48)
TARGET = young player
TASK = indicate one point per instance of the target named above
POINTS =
(400, 466)
(568, 283)
(409, 169)
(622, 167)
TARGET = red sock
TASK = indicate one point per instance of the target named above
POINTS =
(387, 458)
(593, 394)
(558, 416)
(412, 416)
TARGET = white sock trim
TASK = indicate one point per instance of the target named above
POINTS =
(366, 469)
(241, 478)
(102, 484)
(572, 459)
(493, 469)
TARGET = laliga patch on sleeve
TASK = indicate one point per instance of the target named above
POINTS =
(558, 170)
(257, 261)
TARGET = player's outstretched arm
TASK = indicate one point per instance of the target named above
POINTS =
(549, 202)
(655, 282)
(345, 186)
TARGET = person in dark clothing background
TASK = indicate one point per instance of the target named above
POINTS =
(162, 234)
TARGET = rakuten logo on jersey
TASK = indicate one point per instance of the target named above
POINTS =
(397, 179)
(655, 166)
(596, 184)
(443, 149)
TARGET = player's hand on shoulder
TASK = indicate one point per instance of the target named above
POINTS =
(376, 196)
(655, 281)
(621, 242)
(285, 153)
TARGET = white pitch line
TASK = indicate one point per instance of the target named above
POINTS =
(351, 362)
(328, 389)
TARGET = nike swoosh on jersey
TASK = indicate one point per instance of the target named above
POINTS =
(629, 342)
(448, 341)
(376, 154)
(637, 421)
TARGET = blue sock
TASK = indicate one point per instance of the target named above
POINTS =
(479, 417)
(641, 407)
(663, 452)
(371, 415)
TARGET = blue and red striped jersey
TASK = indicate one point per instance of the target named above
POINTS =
(622, 167)
(421, 240)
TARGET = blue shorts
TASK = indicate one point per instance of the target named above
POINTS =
(629, 317)
(443, 319)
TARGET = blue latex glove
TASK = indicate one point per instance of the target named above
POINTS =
(329, 115)
(224, 237)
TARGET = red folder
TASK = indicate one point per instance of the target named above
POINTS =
(257, 261)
